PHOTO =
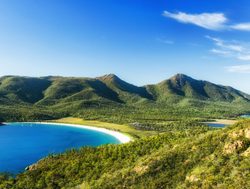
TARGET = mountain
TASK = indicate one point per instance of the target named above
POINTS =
(126, 91)
(184, 86)
(53, 90)
(22, 89)
(67, 96)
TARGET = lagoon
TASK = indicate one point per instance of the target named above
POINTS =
(245, 116)
(22, 144)
(216, 125)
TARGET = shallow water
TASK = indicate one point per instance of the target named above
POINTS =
(218, 125)
(245, 116)
(22, 144)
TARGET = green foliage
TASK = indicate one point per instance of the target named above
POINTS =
(22, 98)
(195, 158)
(183, 153)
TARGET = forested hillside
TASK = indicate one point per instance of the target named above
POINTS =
(194, 157)
(55, 97)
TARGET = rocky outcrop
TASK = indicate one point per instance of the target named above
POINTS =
(31, 167)
(230, 148)
(241, 133)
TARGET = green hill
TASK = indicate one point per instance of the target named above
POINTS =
(57, 89)
(176, 152)
(30, 98)
(22, 89)
(127, 92)
(196, 157)
(184, 86)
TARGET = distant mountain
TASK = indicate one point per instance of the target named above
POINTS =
(22, 89)
(111, 89)
(126, 91)
(184, 86)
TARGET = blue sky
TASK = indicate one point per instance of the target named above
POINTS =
(142, 41)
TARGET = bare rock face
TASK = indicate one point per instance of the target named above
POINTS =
(236, 134)
(241, 133)
(230, 148)
(31, 167)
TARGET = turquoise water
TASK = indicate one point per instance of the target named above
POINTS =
(22, 144)
(246, 116)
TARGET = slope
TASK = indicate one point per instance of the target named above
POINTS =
(127, 92)
(183, 86)
(191, 158)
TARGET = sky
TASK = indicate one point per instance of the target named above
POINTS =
(141, 41)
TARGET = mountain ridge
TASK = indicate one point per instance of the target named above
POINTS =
(54, 89)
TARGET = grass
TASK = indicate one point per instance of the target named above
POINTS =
(126, 129)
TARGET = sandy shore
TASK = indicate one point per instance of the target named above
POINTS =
(121, 137)
(222, 121)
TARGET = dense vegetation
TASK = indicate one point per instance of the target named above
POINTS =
(195, 157)
(109, 98)
(171, 148)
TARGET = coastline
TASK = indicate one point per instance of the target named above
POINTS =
(120, 136)
(222, 121)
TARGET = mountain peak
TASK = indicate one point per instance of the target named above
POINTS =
(109, 77)
(181, 76)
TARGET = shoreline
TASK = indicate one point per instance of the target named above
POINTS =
(222, 121)
(118, 135)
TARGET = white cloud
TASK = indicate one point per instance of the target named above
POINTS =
(245, 57)
(220, 52)
(165, 41)
(241, 26)
(239, 68)
(234, 49)
(211, 21)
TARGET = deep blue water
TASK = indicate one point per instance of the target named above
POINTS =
(22, 144)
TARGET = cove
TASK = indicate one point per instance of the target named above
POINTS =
(22, 144)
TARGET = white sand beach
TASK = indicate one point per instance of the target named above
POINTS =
(121, 137)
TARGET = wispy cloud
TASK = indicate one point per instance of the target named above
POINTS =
(234, 49)
(241, 26)
(239, 68)
(165, 41)
(213, 21)
(210, 21)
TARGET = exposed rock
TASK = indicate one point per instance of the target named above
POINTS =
(240, 133)
(31, 167)
(237, 134)
(233, 147)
